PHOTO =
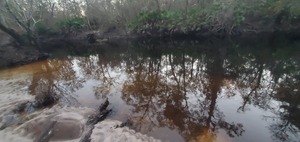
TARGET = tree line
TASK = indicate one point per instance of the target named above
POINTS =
(25, 20)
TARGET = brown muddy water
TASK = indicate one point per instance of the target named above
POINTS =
(219, 91)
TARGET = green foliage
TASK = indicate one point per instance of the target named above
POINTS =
(218, 16)
(240, 12)
(145, 17)
(74, 23)
(42, 29)
(294, 8)
(167, 20)
(271, 8)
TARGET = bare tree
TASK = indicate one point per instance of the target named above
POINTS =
(19, 12)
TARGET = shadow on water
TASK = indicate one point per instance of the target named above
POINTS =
(182, 85)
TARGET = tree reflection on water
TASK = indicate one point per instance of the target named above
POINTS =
(179, 87)
(57, 80)
(179, 92)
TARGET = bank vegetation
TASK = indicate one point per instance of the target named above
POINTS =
(28, 21)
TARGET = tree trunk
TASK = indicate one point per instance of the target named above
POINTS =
(186, 8)
(26, 26)
(12, 33)
(157, 5)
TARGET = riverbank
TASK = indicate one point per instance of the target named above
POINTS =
(14, 55)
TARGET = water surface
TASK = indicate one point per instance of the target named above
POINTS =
(214, 90)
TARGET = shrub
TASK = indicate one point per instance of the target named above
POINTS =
(42, 29)
(72, 24)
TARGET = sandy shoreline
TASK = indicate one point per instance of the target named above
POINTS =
(65, 124)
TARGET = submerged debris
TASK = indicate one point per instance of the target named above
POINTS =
(106, 131)
(47, 100)
(93, 120)
(46, 135)
(123, 124)
(91, 38)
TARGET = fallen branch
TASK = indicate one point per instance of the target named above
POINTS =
(100, 116)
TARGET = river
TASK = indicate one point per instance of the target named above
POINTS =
(209, 90)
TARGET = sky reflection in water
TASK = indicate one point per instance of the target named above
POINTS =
(202, 92)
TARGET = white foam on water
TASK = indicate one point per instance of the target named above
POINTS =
(55, 124)
(11, 93)
(107, 131)
(70, 124)
(10, 137)
(61, 124)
